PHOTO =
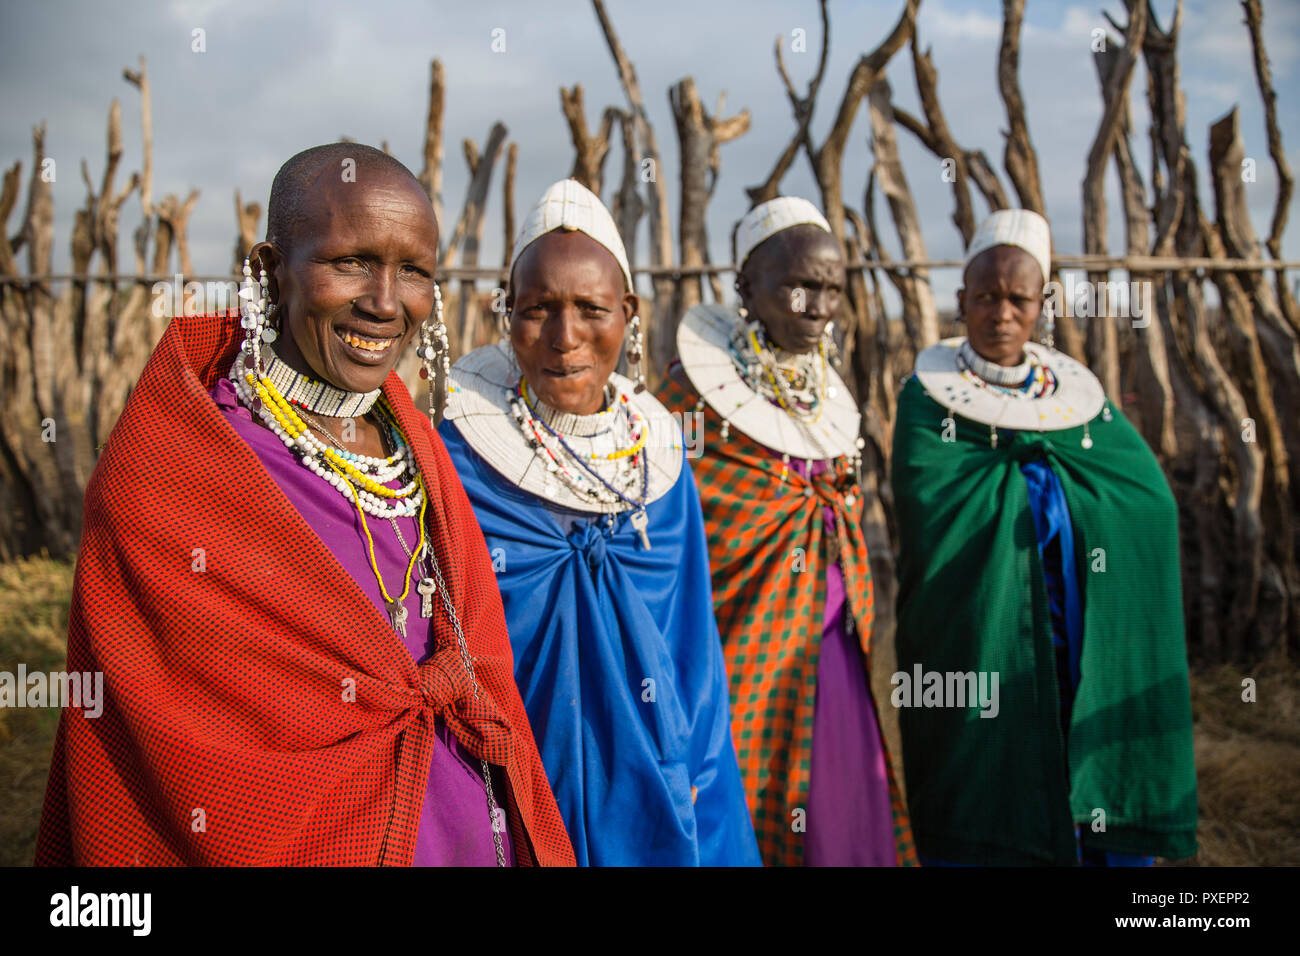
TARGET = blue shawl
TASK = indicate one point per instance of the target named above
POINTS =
(618, 660)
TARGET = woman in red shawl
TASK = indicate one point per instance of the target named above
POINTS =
(303, 646)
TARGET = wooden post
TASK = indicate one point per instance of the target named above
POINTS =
(508, 204)
(920, 316)
(247, 216)
(1019, 159)
(628, 207)
(700, 136)
(140, 80)
(803, 106)
(660, 331)
(589, 151)
(470, 227)
(1102, 338)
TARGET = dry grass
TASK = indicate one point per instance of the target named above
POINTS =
(1248, 765)
(34, 596)
(1247, 755)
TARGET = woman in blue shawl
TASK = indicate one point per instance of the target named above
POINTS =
(579, 482)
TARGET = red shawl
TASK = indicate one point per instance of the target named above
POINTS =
(229, 733)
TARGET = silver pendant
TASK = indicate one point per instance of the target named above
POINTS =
(427, 589)
(640, 521)
(397, 616)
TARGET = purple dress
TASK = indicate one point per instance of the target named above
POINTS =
(850, 817)
(455, 824)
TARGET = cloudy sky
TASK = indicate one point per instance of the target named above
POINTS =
(276, 78)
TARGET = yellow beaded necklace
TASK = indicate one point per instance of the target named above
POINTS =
(632, 415)
(769, 364)
(294, 426)
(396, 608)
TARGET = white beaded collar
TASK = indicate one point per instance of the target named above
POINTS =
(704, 344)
(1077, 399)
(1006, 375)
(316, 395)
(478, 401)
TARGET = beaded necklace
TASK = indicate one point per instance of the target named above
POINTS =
(339, 467)
(557, 452)
(1038, 382)
(428, 586)
(549, 445)
(801, 390)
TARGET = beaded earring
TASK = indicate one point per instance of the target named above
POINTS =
(254, 313)
(1049, 327)
(829, 348)
(635, 353)
(433, 344)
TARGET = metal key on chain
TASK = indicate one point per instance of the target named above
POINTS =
(426, 586)
(640, 521)
(397, 616)
(427, 589)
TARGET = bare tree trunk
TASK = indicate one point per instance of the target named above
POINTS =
(1019, 158)
(1232, 411)
(661, 340)
(830, 157)
(876, 399)
(9, 199)
(700, 135)
(508, 206)
(920, 315)
(828, 162)
(247, 216)
(37, 442)
(1220, 509)
(1271, 374)
(1115, 68)
(589, 151)
(803, 111)
(431, 173)
(983, 175)
(628, 207)
(1155, 392)
(173, 226)
(470, 226)
(927, 86)
(140, 80)
(1285, 181)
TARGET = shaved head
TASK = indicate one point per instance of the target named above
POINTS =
(792, 282)
(292, 189)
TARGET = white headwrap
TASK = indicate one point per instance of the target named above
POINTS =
(1022, 228)
(571, 206)
(776, 215)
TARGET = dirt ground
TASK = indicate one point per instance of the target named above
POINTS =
(1247, 754)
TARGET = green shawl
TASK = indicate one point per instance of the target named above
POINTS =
(972, 597)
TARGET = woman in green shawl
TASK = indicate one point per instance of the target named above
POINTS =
(1042, 679)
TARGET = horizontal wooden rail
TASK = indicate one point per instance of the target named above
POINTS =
(1134, 264)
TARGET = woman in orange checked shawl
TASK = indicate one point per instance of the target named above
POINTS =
(791, 583)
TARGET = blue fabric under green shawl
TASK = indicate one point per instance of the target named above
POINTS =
(972, 597)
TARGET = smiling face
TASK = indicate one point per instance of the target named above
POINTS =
(792, 283)
(1000, 303)
(356, 278)
(569, 308)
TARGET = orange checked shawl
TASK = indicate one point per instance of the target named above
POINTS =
(259, 708)
(768, 548)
